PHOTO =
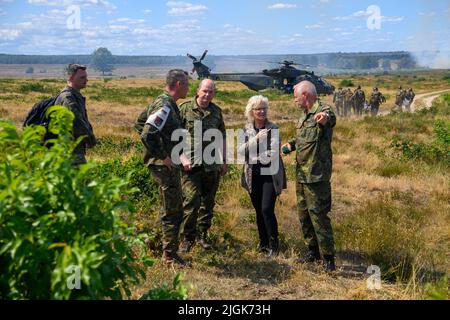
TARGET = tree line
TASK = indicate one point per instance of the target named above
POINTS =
(339, 60)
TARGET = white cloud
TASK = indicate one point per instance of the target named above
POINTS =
(180, 8)
(364, 14)
(148, 11)
(391, 19)
(279, 6)
(427, 14)
(9, 34)
(314, 26)
(82, 3)
(126, 21)
(2, 12)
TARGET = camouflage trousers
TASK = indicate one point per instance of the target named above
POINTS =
(359, 106)
(171, 215)
(374, 110)
(313, 206)
(347, 109)
(339, 108)
(199, 192)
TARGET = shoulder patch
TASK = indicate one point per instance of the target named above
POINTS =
(158, 119)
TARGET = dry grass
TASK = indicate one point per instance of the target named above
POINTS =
(384, 208)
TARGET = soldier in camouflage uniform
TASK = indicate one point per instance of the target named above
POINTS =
(376, 99)
(338, 100)
(201, 183)
(162, 118)
(399, 97)
(71, 98)
(409, 97)
(348, 101)
(358, 101)
(314, 166)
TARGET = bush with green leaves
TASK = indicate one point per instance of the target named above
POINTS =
(437, 151)
(138, 176)
(346, 83)
(56, 218)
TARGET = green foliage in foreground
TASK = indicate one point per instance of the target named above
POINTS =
(438, 150)
(58, 221)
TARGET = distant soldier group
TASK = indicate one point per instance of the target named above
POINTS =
(404, 99)
(348, 102)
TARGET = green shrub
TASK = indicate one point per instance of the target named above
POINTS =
(175, 292)
(35, 87)
(392, 168)
(138, 176)
(438, 290)
(437, 151)
(108, 146)
(446, 77)
(346, 83)
(55, 217)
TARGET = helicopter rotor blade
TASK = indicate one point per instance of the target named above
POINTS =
(204, 55)
(193, 70)
(192, 57)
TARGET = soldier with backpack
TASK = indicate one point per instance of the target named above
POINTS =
(71, 98)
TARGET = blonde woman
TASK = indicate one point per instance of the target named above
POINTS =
(264, 176)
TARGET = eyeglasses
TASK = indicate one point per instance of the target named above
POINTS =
(260, 109)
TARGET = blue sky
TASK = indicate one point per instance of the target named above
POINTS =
(223, 27)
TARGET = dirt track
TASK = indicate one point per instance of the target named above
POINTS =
(427, 98)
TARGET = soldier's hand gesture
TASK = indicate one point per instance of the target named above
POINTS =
(321, 118)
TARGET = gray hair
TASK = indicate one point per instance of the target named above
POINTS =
(306, 86)
(254, 102)
(175, 75)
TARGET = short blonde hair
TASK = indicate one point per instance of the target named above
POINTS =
(254, 102)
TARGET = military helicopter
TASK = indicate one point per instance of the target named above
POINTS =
(283, 78)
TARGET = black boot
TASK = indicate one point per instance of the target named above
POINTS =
(312, 255)
(187, 245)
(273, 248)
(328, 263)
(203, 242)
